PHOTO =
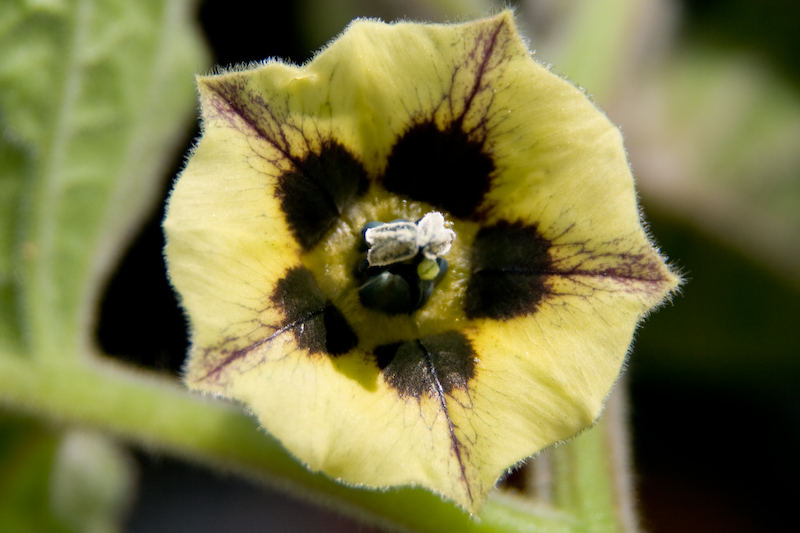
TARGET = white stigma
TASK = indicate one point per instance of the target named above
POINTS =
(393, 242)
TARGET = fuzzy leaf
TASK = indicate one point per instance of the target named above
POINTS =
(92, 96)
(549, 273)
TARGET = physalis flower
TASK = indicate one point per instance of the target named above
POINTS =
(417, 259)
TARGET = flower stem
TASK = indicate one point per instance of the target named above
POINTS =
(591, 474)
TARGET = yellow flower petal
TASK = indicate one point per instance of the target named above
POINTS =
(522, 337)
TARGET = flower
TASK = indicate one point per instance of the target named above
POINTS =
(417, 259)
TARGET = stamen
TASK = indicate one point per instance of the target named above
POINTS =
(433, 236)
(403, 263)
(391, 242)
(400, 240)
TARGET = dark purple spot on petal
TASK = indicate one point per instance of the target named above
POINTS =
(317, 189)
(443, 168)
(318, 325)
(509, 265)
(430, 365)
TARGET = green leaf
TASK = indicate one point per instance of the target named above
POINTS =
(719, 148)
(97, 92)
(594, 42)
(94, 97)
(14, 166)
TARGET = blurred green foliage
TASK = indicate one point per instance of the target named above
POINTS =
(27, 454)
(93, 97)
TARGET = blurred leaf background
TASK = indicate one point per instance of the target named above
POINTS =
(707, 94)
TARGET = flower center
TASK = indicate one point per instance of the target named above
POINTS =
(402, 262)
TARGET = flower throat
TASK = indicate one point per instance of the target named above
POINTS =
(401, 263)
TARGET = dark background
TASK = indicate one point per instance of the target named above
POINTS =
(713, 376)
